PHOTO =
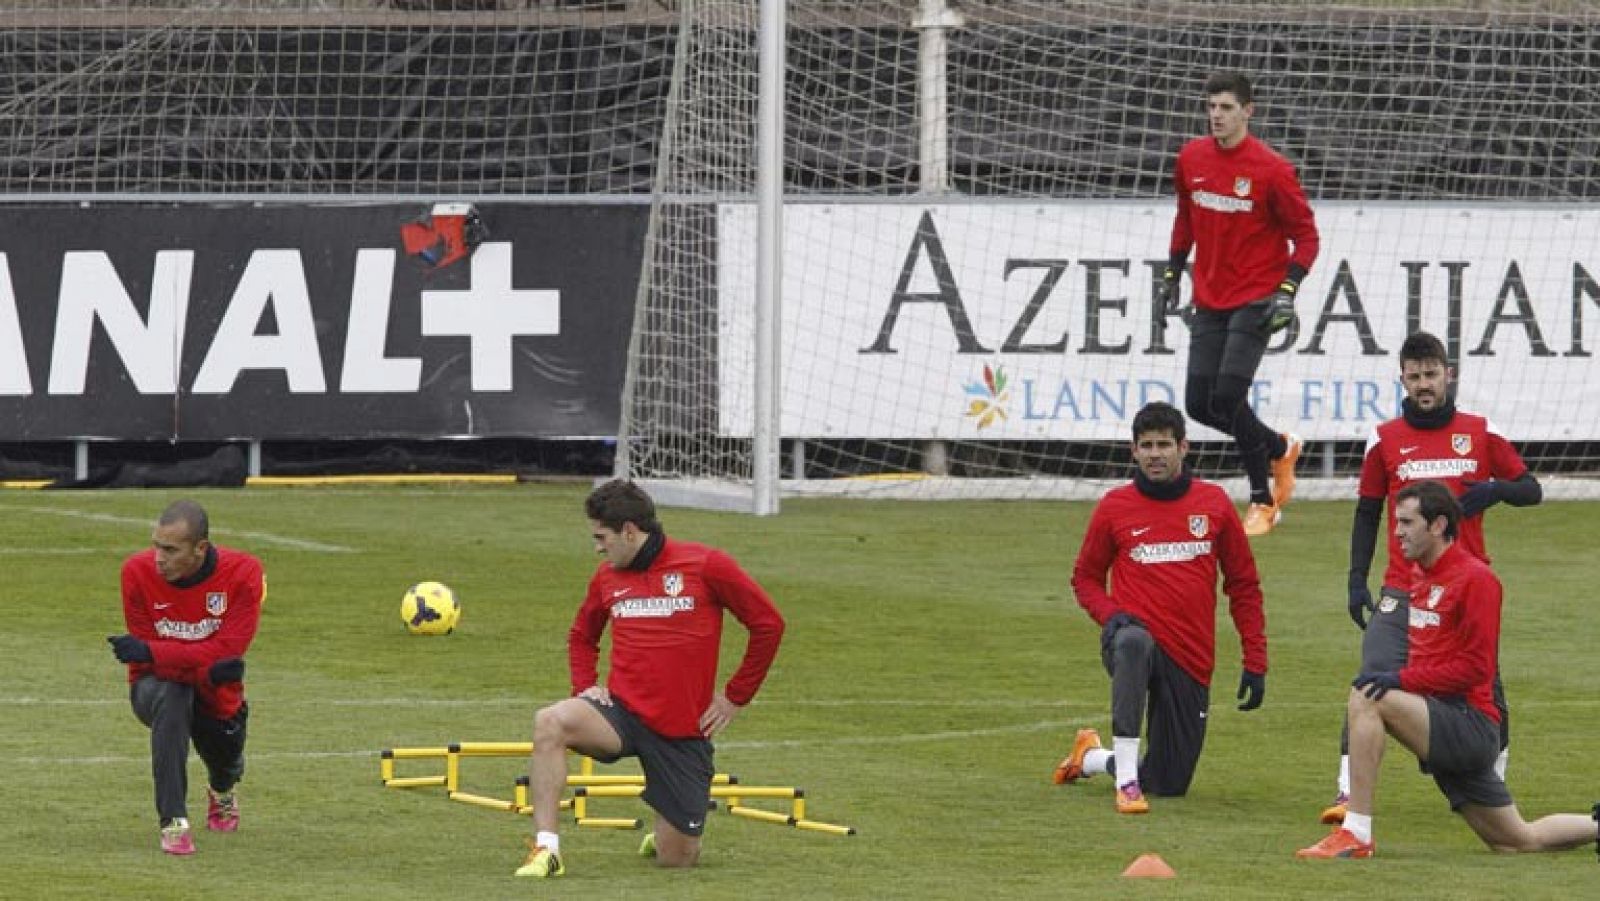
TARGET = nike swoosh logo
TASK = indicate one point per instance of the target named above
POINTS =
(162, 606)
(1138, 532)
(693, 825)
(1407, 450)
(620, 592)
(1198, 180)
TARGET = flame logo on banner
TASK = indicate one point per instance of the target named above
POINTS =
(986, 400)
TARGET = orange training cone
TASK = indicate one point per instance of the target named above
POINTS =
(1149, 866)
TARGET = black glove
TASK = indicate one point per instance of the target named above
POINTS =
(1595, 815)
(1478, 497)
(228, 670)
(1376, 685)
(129, 649)
(1361, 606)
(1168, 289)
(1255, 686)
(1108, 632)
(1279, 308)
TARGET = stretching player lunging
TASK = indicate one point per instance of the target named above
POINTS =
(191, 610)
(663, 600)
(1147, 573)
(1432, 440)
(1440, 704)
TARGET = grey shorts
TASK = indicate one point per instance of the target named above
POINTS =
(1462, 746)
(677, 771)
(1386, 643)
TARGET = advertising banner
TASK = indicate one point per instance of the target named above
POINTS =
(214, 322)
(1028, 321)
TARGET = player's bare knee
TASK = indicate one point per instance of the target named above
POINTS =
(550, 727)
(1359, 705)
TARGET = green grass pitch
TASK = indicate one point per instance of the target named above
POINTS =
(935, 668)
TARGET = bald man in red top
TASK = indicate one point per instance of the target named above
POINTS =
(1242, 212)
(191, 609)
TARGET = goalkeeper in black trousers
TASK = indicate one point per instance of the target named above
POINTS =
(191, 610)
(1240, 208)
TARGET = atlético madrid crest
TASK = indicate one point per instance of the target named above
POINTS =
(1241, 186)
(1199, 525)
(1461, 444)
(672, 584)
(216, 602)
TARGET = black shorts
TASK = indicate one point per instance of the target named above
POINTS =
(1462, 746)
(677, 771)
(1228, 342)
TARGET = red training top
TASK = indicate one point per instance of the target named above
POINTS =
(193, 626)
(1468, 449)
(1455, 630)
(1239, 209)
(666, 631)
(1162, 557)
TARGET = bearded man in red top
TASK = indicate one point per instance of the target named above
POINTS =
(1243, 213)
(1440, 702)
(663, 600)
(1147, 574)
(191, 609)
(1431, 440)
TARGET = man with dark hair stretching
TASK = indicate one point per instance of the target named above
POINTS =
(191, 609)
(1433, 440)
(1240, 207)
(664, 600)
(1440, 704)
(1147, 573)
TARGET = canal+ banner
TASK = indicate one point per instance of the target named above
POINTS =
(294, 321)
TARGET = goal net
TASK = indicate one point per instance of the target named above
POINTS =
(978, 205)
(976, 201)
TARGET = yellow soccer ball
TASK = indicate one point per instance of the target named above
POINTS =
(430, 608)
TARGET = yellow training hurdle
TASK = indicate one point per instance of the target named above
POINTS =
(586, 784)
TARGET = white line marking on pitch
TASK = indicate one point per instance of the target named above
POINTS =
(57, 551)
(104, 759)
(908, 738)
(264, 537)
(903, 739)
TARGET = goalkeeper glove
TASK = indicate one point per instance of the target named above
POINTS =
(1279, 310)
(1168, 289)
